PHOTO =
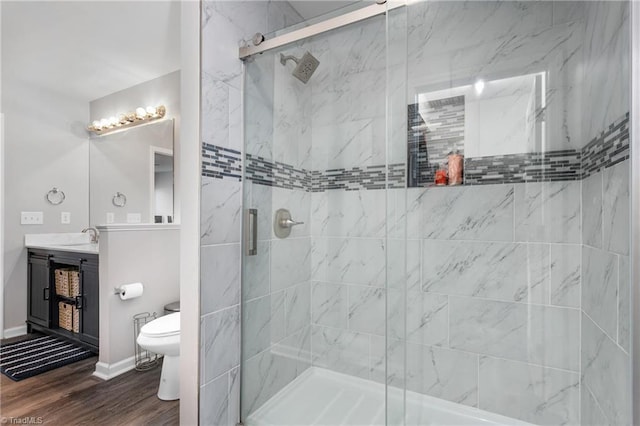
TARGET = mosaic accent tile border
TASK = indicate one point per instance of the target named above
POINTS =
(276, 174)
(220, 163)
(607, 149)
(265, 172)
(520, 168)
(357, 178)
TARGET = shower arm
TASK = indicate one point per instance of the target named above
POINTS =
(284, 59)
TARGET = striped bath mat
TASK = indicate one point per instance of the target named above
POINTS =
(28, 358)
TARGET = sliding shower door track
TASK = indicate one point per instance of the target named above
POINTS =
(321, 27)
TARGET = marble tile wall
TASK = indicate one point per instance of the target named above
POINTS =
(495, 284)
(605, 217)
(488, 298)
(605, 294)
(224, 24)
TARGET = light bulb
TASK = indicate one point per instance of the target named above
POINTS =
(104, 123)
(96, 125)
(141, 113)
(151, 110)
(479, 86)
(113, 121)
(122, 118)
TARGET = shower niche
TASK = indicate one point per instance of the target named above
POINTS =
(496, 125)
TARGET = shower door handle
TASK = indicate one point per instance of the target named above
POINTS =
(251, 232)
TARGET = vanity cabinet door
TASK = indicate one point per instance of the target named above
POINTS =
(38, 275)
(89, 303)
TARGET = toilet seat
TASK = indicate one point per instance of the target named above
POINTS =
(168, 325)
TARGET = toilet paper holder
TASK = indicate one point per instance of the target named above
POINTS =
(130, 290)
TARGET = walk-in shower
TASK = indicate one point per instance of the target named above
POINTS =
(403, 296)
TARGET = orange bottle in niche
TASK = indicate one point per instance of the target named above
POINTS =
(441, 176)
(455, 168)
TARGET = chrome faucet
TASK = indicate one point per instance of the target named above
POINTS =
(94, 234)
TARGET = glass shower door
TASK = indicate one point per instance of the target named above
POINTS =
(315, 290)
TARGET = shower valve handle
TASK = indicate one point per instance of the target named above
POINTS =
(282, 223)
(288, 223)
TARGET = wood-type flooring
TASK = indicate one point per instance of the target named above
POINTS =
(70, 395)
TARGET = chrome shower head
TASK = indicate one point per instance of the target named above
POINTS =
(305, 66)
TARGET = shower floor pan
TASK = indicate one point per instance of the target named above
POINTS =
(323, 397)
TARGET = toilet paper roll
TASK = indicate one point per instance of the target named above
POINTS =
(131, 291)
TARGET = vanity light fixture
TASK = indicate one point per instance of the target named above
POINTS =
(123, 121)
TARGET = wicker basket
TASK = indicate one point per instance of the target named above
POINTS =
(65, 316)
(76, 320)
(62, 281)
(74, 283)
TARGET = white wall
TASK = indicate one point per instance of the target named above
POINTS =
(134, 253)
(45, 146)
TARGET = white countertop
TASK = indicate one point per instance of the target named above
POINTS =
(71, 242)
(76, 248)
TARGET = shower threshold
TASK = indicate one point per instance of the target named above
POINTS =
(324, 397)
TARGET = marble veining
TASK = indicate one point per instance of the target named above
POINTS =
(605, 372)
(590, 412)
(297, 307)
(329, 304)
(220, 342)
(341, 350)
(528, 392)
(427, 319)
(600, 288)
(548, 212)
(592, 210)
(505, 271)
(624, 304)
(566, 273)
(348, 213)
(443, 373)
(538, 334)
(256, 332)
(349, 260)
(490, 219)
(214, 402)
(221, 207)
(290, 262)
(366, 305)
(615, 208)
(219, 283)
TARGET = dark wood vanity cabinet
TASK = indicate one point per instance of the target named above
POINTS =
(39, 292)
(43, 302)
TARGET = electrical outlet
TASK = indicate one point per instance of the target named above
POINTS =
(65, 218)
(134, 218)
(110, 217)
(31, 218)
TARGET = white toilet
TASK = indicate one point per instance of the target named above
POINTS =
(162, 336)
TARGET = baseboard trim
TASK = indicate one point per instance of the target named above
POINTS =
(106, 371)
(15, 332)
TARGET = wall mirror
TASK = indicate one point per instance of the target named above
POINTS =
(131, 176)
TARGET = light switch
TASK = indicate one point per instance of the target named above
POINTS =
(110, 218)
(65, 218)
(31, 218)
